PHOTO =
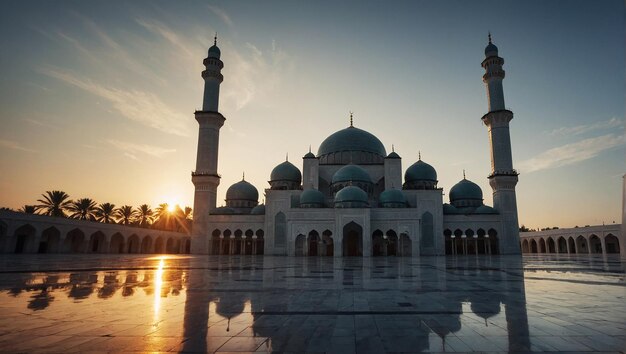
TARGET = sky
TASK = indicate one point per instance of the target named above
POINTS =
(97, 97)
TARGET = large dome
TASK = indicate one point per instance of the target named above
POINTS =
(420, 171)
(352, 139)
(466, 190)
(242, 190)
(312, 198)
(286, 171)
(351, 197)
(351, 173)
(392, 198)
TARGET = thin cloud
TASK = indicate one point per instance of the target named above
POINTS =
(131, 149)
(167, 33)
(572, 153)
(586, 128)
(10, 144)
(143, 107)
(221, 14)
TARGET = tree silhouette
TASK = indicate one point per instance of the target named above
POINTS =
(28, 209)
(145, 215)
(83, 209)
(126, 214)
(54, 203)
(105, 213)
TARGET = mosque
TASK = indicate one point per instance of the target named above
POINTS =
(350, 199)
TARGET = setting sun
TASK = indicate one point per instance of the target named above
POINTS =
(171, 207)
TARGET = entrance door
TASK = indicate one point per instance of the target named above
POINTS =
(353, 240)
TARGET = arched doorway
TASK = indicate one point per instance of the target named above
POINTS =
(581, 244)
(572, 245)
(117, 243)
(353, 240)
(525, 246)
(158, 245)
(450, 247)
(259, 243)
(24, 239)
(97, 242)
(406, 245)
(226, 241)
(472, 242)
(146, 244)
(50, 239)
(248, 242)
(313, 242)
(533, 246)
(74, 241)
(133, 244)
(329, 246)
(595, 245)
(391, 243)
(216, 242)
(493, 244)
(612, 244)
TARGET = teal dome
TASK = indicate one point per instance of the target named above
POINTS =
(242, 190)
(420, 171)
(309, 155)
(312, 198)
(214, 52)
(484, 209)
(352, 139)
(258, 210)
(392, 198)
(286, 171)
(491, 50)
(351, 197)
(466, 190)
(351, 173)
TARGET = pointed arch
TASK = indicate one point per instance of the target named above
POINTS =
(352, 240)
(280, 230)
(428, 231)
(50, 240)
(74, 241)
(117, 243)
(146, 244)
(24, 238)
(97, 243)
(611, 243)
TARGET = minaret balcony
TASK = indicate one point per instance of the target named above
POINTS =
(496, 173)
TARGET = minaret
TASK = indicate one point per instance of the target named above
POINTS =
(205, 178)
(503, 177)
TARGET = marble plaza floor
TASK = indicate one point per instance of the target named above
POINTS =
(117, 303)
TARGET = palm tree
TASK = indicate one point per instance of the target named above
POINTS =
(145, 215)
(105, 213)
(188, 212)
(163, 217)
(126, 214)
(83, 209)
(27, 209)
(54, 203)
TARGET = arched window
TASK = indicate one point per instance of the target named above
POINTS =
(280, 230)
(428, 231)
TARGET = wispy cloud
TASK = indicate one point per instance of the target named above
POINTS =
(143, 107)
(221, 14)
(10, 144)
(167, 33)
(586, 128)
(572, 153)
(131, 149)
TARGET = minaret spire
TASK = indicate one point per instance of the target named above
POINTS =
(464, 174)
(489, 36)
(351, 118)
(419, 155)
(215, 39)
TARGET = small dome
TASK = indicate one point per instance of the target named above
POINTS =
(420, 171)
(491, 50)
(484, 209)
(449, 209)
(223, 211)
(351, 197)
(352, 139)
(393, 155)
(309, 155)
(214, 52)
(258, 210)
(466, 190)
(392, 198)
(286, 171)
(351, 173)
(242, 190)
(312, 198)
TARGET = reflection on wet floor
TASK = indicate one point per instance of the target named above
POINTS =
(207, 304)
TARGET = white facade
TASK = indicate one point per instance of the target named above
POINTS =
(352, 199)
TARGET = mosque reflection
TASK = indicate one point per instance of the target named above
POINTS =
(300, 304)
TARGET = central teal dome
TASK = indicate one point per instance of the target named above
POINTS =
(392, 198)
(312, 198)
(420, 171)
(352, 139)
(242, 190)
(351, 197)
(286, 171)
(466, 190)
(351, 173)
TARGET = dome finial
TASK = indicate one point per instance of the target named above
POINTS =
(243, 176)
(351, 118)
(309, 148)
(419, 155)
(287, 157)
(215, 39)
(463, 173)
(393, 148)
(489, 36)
